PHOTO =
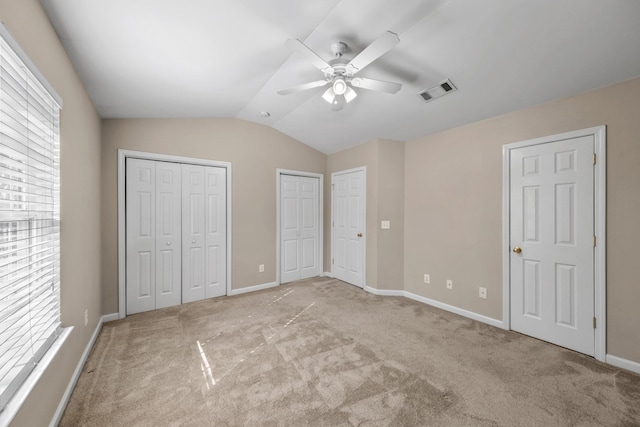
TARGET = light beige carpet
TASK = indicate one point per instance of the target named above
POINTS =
(322, 352)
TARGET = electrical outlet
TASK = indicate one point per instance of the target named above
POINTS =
(86, 317)
(482, 292)
(385, 225)
(449, 284)
(427, 278)
(261, 268)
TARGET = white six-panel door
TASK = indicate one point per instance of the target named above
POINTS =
(300, 228)
(348, 226)
(552, 229)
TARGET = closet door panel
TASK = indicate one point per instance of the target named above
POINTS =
(193, 233)
(168, 234)
(309, 227)
(289, 228)
(216, 231)
(140, 235)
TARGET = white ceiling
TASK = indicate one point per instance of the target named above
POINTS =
(227, 58)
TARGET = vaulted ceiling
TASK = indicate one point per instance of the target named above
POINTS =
(227, 58)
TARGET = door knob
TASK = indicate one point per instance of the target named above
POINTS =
(517, 249)
(168, 243)
(359, 234)
(193, 241)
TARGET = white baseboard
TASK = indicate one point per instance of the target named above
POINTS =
(76, 374)
(619, 362)
(460, 311)
(110, 317)
(253, 288)
(327, 274)
(385, 292)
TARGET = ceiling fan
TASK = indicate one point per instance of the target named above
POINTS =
(340, 74)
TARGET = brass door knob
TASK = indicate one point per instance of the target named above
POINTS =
(517, 249)
(359, 234)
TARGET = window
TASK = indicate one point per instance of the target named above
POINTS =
(29, 217)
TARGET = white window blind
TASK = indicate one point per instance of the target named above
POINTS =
(29, 219)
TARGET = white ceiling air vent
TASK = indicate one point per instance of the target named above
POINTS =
(441, 89)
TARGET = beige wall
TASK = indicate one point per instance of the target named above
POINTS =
(80, 203)
(453, 205)
(384, 161)
(254, 150)
(391, 208)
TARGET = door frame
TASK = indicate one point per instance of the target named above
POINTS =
(600, 190)
(362, 169)
(123, 155)
(279, 173)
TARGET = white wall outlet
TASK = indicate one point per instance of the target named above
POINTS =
(427, 278)
(482, 292)
(449, 284)
(385, 225)
(261, 268)
(86, 317)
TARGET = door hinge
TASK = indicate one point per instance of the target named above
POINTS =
(594, 241)
(331, 260)
(594, 323)
(594, 158)
(333, 186)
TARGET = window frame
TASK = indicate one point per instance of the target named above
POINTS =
(20, 385)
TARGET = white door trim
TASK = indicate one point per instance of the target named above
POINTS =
(362, 169)
(122, 156)
(279, 173)
(600, 189)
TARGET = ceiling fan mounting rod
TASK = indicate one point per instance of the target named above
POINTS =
(338, 49)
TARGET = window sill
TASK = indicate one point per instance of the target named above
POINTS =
(16, 402)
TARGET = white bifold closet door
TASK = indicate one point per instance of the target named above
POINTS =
(299, 228)
(204, 232)
(175, 233)
(153, 193)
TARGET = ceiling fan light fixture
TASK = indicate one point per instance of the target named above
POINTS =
(329, 95)
(349, 94)
(339, 86)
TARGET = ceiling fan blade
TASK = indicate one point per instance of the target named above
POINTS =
(303, 87)
(375, 50)
(321, 64)
(379, 85)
